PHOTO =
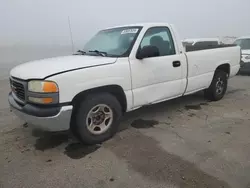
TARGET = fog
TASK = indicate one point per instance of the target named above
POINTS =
(46, 22)
(32, 29)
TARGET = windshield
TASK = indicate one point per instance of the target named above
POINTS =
(243, 43)
(115, 42)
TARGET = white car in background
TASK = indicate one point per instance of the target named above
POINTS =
(244, 43)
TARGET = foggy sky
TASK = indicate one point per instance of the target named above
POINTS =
(46, 21)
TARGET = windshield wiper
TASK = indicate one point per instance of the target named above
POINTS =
(99, 52)
(80, 51)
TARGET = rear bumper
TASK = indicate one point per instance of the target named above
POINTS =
(50, 118)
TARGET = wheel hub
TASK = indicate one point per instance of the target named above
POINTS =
(219, 86)
(99, 119)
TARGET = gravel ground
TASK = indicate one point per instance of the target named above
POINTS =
(187, 142)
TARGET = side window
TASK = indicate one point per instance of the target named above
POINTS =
(161, 38)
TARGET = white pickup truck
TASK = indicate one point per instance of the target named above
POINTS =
(119, 70)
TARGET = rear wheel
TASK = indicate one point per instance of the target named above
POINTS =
(218, 87)
(96, 118)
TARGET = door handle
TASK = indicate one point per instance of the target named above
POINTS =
(176, 63)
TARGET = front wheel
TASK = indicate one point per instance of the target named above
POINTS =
(218, 87)
(96, 118)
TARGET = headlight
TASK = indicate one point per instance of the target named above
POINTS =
(42, 86)
(43, 92)
(247, 57)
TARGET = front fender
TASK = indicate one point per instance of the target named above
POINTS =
(73, 82)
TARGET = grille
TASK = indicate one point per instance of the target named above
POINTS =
(18, 89)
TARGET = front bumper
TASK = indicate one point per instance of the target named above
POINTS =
(50, 118)
(244, 68)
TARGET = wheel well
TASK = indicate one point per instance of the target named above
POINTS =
(225, 68)
(115, 90)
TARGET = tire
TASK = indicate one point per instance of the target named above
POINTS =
(91, 111)
(218, 87)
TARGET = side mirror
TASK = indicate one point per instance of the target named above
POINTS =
(148, 51)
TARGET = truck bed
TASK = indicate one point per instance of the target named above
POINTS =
(207, 47)
(202, 63)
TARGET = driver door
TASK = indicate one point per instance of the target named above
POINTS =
(156, 79)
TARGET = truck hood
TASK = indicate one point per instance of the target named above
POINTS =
(244, 52)
(40, 69)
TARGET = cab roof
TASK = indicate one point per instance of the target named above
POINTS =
(146, 24)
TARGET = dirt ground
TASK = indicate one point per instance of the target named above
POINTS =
(187, 142)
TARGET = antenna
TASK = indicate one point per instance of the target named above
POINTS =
(71, 37)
